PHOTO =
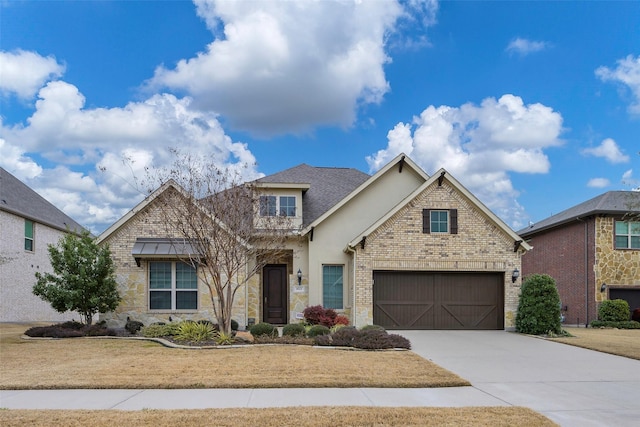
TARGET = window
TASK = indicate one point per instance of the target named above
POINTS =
(627, 235)
(268, 206)
(332, 286)
(173, 285)
(28, 235)
(271, 205)
(440, 221)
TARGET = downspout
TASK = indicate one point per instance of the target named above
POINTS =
(350, 249)
(586, 271)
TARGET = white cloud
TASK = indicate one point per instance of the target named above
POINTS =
(608, 150)
(630, 181)
(524, 47)
(598, 183)
(120, 141)
(628, 73)
(480, 146)
(278, 67)
(24, 72)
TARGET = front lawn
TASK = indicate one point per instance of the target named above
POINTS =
(137, 364)
(621, 342)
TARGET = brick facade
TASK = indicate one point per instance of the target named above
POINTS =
(400, 244)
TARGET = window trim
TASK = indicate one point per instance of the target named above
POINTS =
(452, 221)
(342, 266)
(174, 290)
(31, 238)
(628, 235)
(277, 209)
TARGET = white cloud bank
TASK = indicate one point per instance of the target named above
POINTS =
(23, 72)
(628, 73)
(62, 131)
(598, 183)
(290, 66)
(608, 150)
(480, 145)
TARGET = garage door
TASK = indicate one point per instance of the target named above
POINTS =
(429, 300)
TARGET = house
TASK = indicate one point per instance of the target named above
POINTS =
(28, 223)
(592, 250)
(400, 249)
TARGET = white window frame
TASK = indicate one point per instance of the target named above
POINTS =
(628, 235)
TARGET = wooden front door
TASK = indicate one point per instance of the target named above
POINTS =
(274, 291)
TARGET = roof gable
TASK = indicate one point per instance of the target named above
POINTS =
(440, 175)
(19, 199)
(611, 202)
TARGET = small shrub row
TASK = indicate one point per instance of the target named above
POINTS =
(367, 339)
(69, 330)
(627, 324)
(195, 332)
(157, 330)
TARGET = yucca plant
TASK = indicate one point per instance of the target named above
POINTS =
(195, 332)
(224, 339)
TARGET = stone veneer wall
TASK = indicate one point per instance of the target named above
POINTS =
(613, 266)
(132, 280)
(399, 244)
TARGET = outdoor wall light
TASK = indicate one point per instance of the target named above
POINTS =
(515, 275)
(299, 277)
(603, 287)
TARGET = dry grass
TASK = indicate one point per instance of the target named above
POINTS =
(622, 342)
(276, 417)
(135, 364)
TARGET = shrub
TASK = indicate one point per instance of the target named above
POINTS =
(323, 340)
(234, 325)
(372, 328)
(616, 310)
(195, 332)
(345, 336)
(539, 306)
(133, 326)
(341, 320)
(398, 341)
(636, 315)
(71, 324)
(53, 331)
(263, 329)
(628, 324)
(293, 330)
(372, 339)
(157, 330)
(224, 339)
(316, 330)
(98, 331)
(317, 315)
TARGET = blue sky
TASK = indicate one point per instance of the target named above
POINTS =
(533, 106)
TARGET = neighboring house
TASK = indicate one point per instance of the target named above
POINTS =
(28, 223)
(399, 249)
(592, 250)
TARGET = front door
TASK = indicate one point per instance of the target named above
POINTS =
(274, 291)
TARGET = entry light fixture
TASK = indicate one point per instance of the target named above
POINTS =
(603, 287)
(515, 275)
(299, 277)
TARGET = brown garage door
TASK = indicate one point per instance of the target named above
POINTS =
(429, 300)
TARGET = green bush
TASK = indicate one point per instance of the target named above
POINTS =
(323, 340)
(263, 329)
(616, 310)
(628, 324)
(293, 330)
(539, 306)
(133, 326)
(157, 330)
(234, 325)
(317, 330)
(195, 332)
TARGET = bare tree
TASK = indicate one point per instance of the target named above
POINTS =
(212, 217)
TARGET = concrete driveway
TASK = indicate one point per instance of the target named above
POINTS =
(569, 385)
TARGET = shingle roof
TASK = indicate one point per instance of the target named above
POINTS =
(327, 186)
(17, 198)
(611, 202)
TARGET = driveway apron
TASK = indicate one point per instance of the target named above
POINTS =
(570, 385)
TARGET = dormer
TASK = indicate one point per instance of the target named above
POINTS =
(282, 200)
